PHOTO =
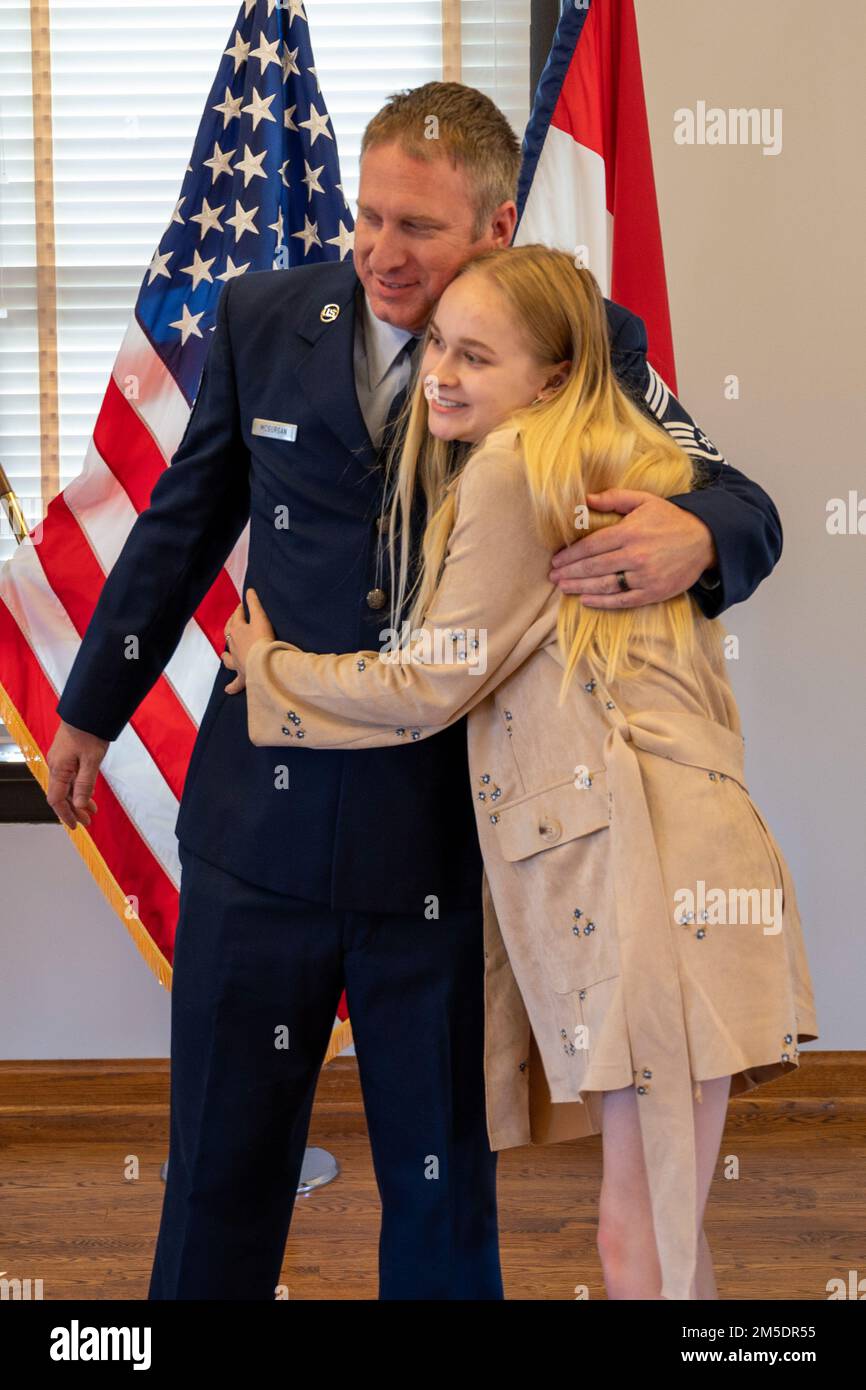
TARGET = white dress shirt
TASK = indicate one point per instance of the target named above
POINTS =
(382, 367)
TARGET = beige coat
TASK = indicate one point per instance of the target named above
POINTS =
(596, 819)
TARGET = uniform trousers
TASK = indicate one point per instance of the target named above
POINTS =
(257, 978)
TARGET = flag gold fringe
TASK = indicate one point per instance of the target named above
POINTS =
(81, 839)
(83, 842)
(341, 1037)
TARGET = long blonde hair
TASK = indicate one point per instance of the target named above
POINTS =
(586, 437)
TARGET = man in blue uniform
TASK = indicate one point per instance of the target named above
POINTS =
(291, 892)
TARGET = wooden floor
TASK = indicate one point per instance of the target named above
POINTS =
(793, 1219)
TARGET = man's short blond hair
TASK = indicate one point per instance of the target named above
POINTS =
(464, 125)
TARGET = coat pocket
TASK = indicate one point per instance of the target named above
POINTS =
(561, 894)
(554, 816)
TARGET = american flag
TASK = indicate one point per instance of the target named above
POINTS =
(586, 179)
(262, 190)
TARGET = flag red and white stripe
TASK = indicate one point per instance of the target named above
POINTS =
(48, 591)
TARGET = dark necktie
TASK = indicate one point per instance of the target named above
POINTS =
(410, 347)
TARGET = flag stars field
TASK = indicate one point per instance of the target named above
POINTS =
(231, 269)
(285, 81)
(199, 270)
(345, 239)
(188, 323)
(208, 218)
(242, 220)
(309, 234)
(295, 8)
(266, 52)
(311, 179)
(277, 227)
(251, 166)
(158, 266)
(318, 124)
(229, 106)
(219, 162)
(259, 108)
(239, 51)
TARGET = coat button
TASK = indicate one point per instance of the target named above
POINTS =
(376, 598)
(550, 830)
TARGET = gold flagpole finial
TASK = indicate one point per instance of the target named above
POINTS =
(12, 508)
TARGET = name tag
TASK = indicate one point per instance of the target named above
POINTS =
(275, 429)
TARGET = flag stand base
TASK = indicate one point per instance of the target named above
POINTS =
(318, 1168)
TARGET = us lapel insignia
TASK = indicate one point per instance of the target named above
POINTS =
(329, 313)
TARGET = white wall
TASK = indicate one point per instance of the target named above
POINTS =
(764, 258)
(72, 983)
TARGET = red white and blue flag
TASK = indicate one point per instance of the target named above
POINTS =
(262, 190)
(587, 177)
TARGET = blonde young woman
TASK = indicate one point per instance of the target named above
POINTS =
(643, 949)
